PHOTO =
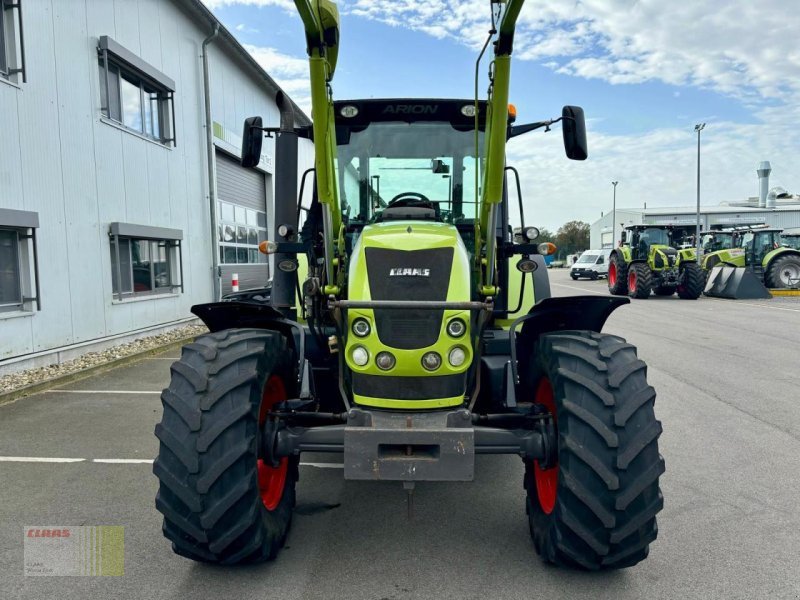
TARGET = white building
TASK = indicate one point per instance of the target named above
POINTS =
(105, 191)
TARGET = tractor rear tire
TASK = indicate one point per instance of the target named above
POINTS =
(596, 509)
(664, 290)
(783, 272)
(640, 281)
(692, 281)
(222, 503)
(617, 276)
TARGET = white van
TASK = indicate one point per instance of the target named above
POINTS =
(591, 264)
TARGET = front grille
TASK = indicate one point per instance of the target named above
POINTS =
(409, 388)
(407, 329)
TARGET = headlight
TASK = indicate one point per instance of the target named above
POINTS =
(431, 361)
(530, 233)
(360, 356)
(385, 360)
(456, 328)
(457, 356)
(361, 327)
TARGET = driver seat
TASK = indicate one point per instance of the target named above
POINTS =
(410, 210)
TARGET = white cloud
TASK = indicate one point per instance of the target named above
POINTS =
(657, 167)
(290, 72)
(739, 48)
(242, 28)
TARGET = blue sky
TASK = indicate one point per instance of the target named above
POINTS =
(645, 72)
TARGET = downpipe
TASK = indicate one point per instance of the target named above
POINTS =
(212, 168)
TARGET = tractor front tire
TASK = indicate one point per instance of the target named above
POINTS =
(783, 272)
(640, 281)
(692, 281)
(221, 502)
(617, 276)
(596, 509)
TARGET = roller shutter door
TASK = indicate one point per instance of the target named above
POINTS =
(242, 222)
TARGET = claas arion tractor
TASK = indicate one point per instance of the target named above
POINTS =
(408, 331)
(648, 260)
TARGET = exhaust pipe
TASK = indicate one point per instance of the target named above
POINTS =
(764, 169)
(284, 219)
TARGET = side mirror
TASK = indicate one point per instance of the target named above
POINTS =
(252, 137)
(623, 237)
(573, 126)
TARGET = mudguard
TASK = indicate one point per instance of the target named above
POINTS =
(587, 313)
(236, 314)
(570, 312)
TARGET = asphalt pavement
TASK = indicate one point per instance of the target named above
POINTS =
(728, 380)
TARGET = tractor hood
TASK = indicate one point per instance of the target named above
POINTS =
(409, 260)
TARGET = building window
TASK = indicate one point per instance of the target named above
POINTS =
(145, 260)
(135, 94)
(12, 50)
(19, 266)
(239, 231)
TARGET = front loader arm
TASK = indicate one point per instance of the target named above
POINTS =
(496, 130)
(321, 23)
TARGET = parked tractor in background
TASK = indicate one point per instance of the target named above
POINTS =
(790, 238)
(648, 260)
(763, 260)
(408, 332)
(724, 245)
(775, 264)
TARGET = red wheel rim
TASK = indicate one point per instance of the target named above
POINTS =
(612, 274)
(546, 480)
(271, 480)
(632, 281)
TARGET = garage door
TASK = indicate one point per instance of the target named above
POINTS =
(242, 223)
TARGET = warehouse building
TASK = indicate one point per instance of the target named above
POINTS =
(774, 206)
(122, 202)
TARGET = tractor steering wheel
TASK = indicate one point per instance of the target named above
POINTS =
(409, 199)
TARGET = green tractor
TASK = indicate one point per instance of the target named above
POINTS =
(763, 259)
(764, 252)
(648, 260)
(790, 238)
(407, 331)
(724, 245)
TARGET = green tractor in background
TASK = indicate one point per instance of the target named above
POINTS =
(790, 238)
(763, 258)
(765, 254)
(724, 245)
(647, 260)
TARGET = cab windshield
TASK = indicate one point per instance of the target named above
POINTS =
(717, 241)
(429, 164)
(587, 258)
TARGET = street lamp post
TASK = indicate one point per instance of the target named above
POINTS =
(698, 128)
(614, 217)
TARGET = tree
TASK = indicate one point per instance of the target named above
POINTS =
(545, 235)
(571, 238)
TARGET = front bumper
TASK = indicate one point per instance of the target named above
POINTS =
(417, 446)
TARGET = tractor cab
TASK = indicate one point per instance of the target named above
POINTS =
(713, 241)
(758, 243)
(790, 238)
(385, 174)
(643, 238)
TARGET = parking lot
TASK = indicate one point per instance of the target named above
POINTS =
(728, 381)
